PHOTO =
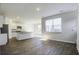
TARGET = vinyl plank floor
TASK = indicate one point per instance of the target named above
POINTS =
(35, 46)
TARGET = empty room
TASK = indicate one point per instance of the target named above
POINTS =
(38, 29)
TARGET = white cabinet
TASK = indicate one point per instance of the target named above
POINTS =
(3, 39)
(0, 25)
(22, 36)
(2, 20)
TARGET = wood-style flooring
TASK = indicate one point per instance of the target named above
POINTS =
(35, 46)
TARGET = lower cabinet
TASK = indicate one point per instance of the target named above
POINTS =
(22, 36)
(3, 39)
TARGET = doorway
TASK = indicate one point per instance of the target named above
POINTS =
(37, 30)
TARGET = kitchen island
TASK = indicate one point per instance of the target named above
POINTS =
(22, 35)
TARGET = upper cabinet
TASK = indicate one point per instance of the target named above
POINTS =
(2, 20)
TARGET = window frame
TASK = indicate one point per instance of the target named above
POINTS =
(53, 25)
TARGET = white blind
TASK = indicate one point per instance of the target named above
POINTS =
(53, 25)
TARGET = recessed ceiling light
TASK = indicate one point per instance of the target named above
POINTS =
(37, 9)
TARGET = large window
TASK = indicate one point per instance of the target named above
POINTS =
(53, 25)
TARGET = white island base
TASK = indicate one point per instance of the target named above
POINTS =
(23, 35)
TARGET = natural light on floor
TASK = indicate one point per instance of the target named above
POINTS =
(44, 38)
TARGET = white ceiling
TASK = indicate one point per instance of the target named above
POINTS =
(28, 10)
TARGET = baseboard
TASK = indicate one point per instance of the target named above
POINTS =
(77, 49)
(63, 41)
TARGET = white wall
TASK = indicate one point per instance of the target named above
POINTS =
(68, 33)
(2, 20)
(28, 25)
(78, 30)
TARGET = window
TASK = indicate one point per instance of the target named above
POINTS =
(53, 25)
